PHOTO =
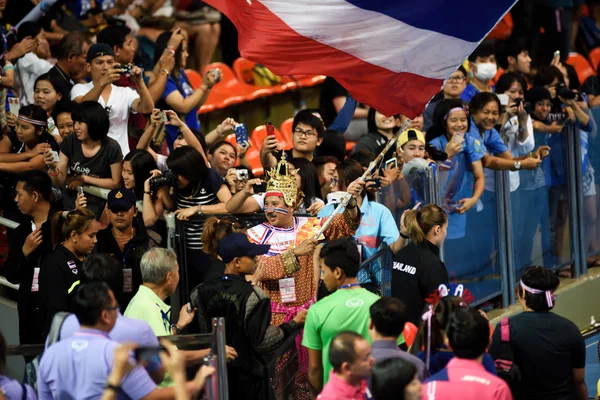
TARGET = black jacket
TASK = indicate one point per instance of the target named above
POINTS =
(59, 275)
(20, 270)
(247, 313)
(418, 273)
(129, 259)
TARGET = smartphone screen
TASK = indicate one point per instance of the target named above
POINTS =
(148, 354)
(241, 134)
(392, 161)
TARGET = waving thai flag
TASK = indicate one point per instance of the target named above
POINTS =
(390, 54)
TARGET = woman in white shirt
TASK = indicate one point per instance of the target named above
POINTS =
(33, 64)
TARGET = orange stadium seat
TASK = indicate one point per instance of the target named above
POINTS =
(410, 333)
(582, 66)
(243, 71)
(594, 57)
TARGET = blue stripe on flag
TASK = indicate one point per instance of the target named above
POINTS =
(443, 16)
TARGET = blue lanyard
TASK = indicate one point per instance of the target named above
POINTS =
(349, 285)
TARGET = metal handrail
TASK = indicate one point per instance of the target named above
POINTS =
(5, 282)
(11, 225)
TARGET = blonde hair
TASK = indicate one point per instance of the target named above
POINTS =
(420, 222)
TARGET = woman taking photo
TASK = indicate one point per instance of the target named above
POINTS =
(74, 237)
(179, 95)
(89, 157)
(418, 272)
(461, 176)
(46, 95)
(198, 190)
(22, 150)
(548, 348)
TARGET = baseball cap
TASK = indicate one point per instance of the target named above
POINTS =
(237, 245)
(410, 134)
(121, 199)
(99, 50)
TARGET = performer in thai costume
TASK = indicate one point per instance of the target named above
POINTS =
(286, 272)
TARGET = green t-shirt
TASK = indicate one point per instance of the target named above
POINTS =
(344, 310)
(147, 306)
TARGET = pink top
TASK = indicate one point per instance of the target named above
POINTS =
(466, 380)
(338, 389)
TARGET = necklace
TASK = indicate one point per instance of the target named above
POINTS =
(349, 285)
(193, 192)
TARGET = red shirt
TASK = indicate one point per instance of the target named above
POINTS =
(338, 389)
(465, 380)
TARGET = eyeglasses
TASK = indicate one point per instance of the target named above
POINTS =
(308, 134)
(457, 79)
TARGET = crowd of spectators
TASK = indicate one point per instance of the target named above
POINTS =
(96, 94)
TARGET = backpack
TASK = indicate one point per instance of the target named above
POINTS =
(31, 368)
(505, 364)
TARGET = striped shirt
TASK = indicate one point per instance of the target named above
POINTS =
(203, 193)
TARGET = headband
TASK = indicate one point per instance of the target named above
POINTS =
(276, 210)
(274, 193)
(549, 296)
(33, 121)
(454, 110)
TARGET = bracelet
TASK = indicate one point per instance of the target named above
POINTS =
(148, 193)
(165, 71)
(403, 236)
(110, 386)
(177, 330)
(55, 174)
(199, 210)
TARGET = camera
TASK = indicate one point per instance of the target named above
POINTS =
(435, 154)
(526, 105)
(563, 91)
(241, 174)
(376, 185)
(125, 69)
(163, 117)
(216, 74)
(167, 179)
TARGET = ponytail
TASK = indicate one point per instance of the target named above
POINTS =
(216, 229)
(65, 222)
(420, 222)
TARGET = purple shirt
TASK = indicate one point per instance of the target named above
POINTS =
(466, 380)
(14, 390)
(384, 349)
(78, 367)
(126, 330)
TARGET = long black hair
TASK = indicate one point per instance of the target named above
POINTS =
(309, 178)
(161, 44)
(142, 163)
(187, 162)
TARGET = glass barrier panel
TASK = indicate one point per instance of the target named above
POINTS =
(591, 192)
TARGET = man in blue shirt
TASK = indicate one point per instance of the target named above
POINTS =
(78, 368)
(482, 69)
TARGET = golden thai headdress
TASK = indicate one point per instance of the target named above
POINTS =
(282, 182)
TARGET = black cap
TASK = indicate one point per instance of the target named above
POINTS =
(121, 199)
(99, 50)
(237, 245)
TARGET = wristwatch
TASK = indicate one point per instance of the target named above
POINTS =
(176, 329)
(517, 165)
(199, 212)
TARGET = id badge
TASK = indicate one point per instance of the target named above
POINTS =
(35, 283)
(127, 280)
(287, 290)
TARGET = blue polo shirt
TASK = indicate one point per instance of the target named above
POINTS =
(491, 139)
(459, 182)
(470, 91)
(377, 226)
(126, 330)
(191, 118)
(78, 367)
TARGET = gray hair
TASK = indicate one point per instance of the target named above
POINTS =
(156, 263)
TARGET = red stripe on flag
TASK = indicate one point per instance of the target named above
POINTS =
(266, 39)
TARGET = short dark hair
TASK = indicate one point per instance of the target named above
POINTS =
(94, 116)
(372, 124)
(53, 79)
(343, 254)
(439, 124)
(71, 43)
(507, 79)
(332, 146)
(342, 349)
(468, 333)
(187, 162)
(511, 47)
(320, 161)
(481, 99)
(348, 171)
(90, 300)
(63, 106)
(100, 267)
(483, 50)
(390, 378)
(363, 157)
(306, 117)
(388, 315)
(37, 181)
(113, 35)
(28, 29)
(546, 75)
(542, 279)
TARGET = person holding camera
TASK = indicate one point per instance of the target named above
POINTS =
(118, 101)
(89, 157)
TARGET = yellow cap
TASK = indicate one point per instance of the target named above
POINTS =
(408, 135)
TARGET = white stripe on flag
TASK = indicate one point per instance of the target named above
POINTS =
(374, 37)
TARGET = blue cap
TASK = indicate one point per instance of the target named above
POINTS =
(237, 245)
(121, 199)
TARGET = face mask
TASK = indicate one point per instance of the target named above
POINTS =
(486, 71)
